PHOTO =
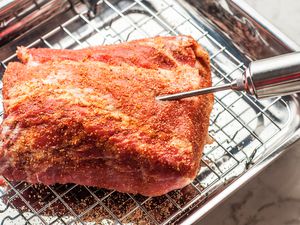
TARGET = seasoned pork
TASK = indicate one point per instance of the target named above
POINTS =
(90, 116)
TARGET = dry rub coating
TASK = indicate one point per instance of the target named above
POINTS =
(90, 116)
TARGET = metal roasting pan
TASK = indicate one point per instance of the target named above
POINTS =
(248, 134)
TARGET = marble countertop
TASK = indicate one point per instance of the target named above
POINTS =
(272, 198)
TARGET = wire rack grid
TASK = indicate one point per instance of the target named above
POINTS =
(239, 125)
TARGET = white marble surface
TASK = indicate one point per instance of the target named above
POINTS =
(272, 198)
(285, 14)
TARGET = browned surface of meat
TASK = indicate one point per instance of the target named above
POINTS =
(90, 116)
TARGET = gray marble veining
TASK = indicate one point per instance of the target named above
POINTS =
(272, 198)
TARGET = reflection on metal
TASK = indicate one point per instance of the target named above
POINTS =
(248, 134)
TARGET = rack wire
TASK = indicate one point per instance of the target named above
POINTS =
(239, 125)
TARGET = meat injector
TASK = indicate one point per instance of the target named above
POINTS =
(276, 76)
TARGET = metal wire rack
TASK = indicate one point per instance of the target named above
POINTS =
(239, 125)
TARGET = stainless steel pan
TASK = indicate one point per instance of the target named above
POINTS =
(248, 133)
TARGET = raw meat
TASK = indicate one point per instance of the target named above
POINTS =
(90, 116)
